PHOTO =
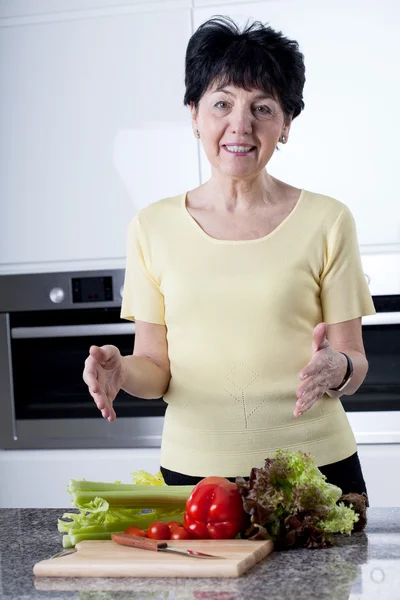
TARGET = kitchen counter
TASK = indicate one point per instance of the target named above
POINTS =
(363, 566)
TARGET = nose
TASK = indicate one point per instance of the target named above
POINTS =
(241, 121)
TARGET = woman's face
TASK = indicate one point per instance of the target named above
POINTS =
(239, 129)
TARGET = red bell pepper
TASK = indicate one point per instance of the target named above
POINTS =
(215, 510)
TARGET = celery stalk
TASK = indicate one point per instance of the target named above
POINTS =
(128, 500)
(86, 527)
(66, 541)
(103, 532)
(106, 508)
(125, 495)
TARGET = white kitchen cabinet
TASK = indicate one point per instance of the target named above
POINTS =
(93, 129)
(345, 143)
(39, 478)
(213, 3)
(29, 9)
(383, 272)
(93, 126)
(380, 465)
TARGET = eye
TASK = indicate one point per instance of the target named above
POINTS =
(221, 104)
(263, 110)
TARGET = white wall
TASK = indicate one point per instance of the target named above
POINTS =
(93, 126)
(345, 143)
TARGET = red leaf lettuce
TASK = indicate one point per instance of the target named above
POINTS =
(290, 502)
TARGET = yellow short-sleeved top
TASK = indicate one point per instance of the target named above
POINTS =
(240, 317)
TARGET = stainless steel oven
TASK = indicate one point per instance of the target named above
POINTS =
(47, 324)
(381, 334)
(374, 410)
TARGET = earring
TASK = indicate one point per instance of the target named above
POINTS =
(197, 133)
(282, 139)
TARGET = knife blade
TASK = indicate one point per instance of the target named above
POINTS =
(146, 544)
(64, 553)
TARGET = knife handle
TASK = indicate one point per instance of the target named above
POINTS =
(136, 541)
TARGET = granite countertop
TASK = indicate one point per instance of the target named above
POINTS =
(363, 566)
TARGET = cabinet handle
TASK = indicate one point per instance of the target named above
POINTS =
(383, 318)
(59, 331)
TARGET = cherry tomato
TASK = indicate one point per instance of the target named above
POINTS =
(180, 533)
(173, 525)
(135, 531)
(159, 531)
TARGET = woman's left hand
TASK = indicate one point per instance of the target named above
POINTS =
(325, 371)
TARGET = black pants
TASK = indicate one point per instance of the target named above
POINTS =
(346, 474)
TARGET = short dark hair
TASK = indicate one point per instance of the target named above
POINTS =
(256, 57)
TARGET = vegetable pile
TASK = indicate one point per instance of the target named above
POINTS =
(290, 502)
(287, 501)
(106, 508)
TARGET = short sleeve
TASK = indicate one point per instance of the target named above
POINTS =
(142, 298)
(344, 290)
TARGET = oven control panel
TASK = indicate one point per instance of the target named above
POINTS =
(92, 289)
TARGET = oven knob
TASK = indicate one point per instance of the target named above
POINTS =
(57, 295)
(121, 291)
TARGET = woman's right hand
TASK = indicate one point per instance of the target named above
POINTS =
(103, 374)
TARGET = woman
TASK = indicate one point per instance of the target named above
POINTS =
(247, 292)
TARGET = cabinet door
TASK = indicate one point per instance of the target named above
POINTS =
(39, 478)
(379, 462)
(93, 129)
(345, 143)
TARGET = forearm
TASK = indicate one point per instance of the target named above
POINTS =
(360, 369)
(143, 378)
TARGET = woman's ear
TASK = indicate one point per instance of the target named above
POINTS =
(286, 126)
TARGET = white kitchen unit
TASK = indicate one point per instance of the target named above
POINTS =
(338, 145)
(380, 464)
(39, 478)
(93, 127)
(29, 9)
(382, 272)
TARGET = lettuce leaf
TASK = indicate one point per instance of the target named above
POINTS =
(290, 502)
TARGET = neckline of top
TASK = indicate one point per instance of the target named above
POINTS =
(250, 241)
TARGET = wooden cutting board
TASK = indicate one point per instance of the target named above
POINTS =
(108, 559)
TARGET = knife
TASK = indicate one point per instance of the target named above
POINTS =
(64, 552)
(146, 544)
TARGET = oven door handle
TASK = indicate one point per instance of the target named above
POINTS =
(383, 318)
(60, 331)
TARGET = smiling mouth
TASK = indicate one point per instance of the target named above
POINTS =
(239, 150)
